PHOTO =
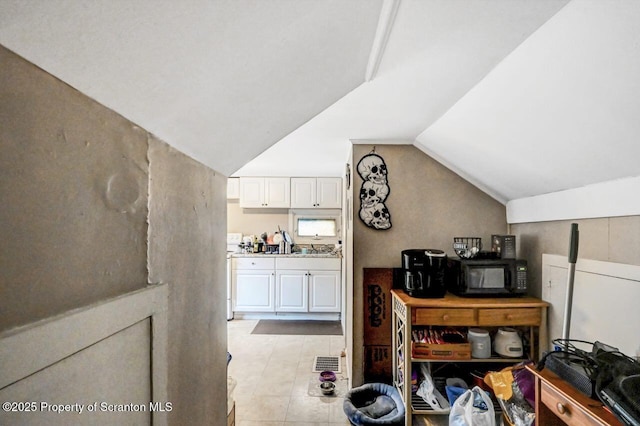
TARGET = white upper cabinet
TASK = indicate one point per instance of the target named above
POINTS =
(303, 193)
(233, 188)
(329, 193)
(323, 193)
(277, 192)
(262, 192)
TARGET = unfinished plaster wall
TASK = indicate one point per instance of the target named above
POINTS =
(187, 248)
(429, 206)
(73, 185)
(76, 217)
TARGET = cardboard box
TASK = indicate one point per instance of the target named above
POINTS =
(378, 364)
(447, 351)
(377, 285)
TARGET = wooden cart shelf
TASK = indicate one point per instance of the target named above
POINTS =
(525, 312)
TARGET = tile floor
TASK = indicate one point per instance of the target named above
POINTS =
(274, 374)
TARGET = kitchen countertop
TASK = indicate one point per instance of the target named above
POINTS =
(296, 255)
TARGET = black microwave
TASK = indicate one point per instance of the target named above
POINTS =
(487, 277)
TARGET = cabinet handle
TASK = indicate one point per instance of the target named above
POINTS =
(445, 317)
(509, 317)
(561, 408)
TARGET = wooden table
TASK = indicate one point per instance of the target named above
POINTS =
(559, 403)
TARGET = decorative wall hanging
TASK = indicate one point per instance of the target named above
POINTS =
(374, 191)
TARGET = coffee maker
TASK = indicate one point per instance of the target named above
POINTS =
(423, 272)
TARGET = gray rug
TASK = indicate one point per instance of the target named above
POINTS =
(300, 327)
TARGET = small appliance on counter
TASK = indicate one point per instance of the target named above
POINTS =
(234, 240)
(508, 343)
(489, 274)
(487, 277)
(423, 273)
(480, 343)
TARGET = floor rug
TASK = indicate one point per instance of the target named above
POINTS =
(300, 327)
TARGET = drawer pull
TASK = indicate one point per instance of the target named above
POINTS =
(446, 317)
(561, 408)
(509, 317)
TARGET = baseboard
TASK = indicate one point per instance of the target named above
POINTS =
(287, 316)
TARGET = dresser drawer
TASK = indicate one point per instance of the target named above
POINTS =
(444, 316)
(522, 316)
(253, 263)
(566, 410)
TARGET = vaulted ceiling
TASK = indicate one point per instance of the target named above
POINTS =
(520, 97)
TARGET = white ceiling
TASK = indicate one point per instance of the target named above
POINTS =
(521, 97)
(221, 80)
(559, 112)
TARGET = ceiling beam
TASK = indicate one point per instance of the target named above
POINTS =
(385, 24)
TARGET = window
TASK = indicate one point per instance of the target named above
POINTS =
(315, 226)
(308, 227)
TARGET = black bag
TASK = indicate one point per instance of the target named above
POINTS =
(618, 386)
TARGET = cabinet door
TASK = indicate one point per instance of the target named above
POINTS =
(277, 192)
(253, 291)
(233, 188)
(303, 193)
(251, 192)
(329, 193)
(292, 291)
(324, 291)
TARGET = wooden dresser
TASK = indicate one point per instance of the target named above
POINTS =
(559, 403)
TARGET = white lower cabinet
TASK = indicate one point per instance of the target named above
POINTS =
(324, 291)
(254, 291)
(291, 291)
(253, 285)
(286, 284)
(308, 284)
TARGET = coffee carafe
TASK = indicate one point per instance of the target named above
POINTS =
(423, 271)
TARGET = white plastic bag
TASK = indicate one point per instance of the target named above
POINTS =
(428, 392)
(473, 408)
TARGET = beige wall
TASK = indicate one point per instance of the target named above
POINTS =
(82, 192)
(255, 221)
(429, 206)
(607, 239)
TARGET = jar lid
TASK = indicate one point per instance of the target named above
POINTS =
(478, 332)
